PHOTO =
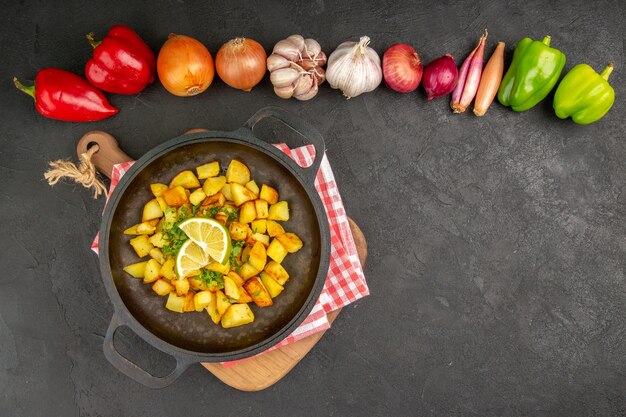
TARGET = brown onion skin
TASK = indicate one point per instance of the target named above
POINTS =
(185, 66)
(240, 63)
(440, 77)
(402, 68)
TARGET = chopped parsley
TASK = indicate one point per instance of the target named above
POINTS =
(211, 278)
(173, 234)
(256, 293)
(235, 252)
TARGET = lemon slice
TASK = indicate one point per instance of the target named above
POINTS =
(209, 235)
(190, 259)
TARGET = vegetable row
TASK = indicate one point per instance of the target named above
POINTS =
(123, 64)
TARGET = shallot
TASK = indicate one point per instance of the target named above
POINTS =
(469, 77)
(490, 81)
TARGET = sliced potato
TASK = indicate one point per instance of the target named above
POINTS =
(274, 228)
(276, 271)
(202, 300)
(251, 185)
(175, 303)
(261, 297)
(162, 287)
(136, 270)
(237, 315)
(238, 231)
(258, 257)
(185, 179)
(213, 185)
(208, 170)
(197, 284)
(248, 271)
(181, 285)
(167, 269)
(142, 245)
(158, 189)
(240, 194)
(226, 191)
(247, 212)
(152, 271)
(132, 230)
(236, 278)
(170, 216)
(157, 240)
(175, 197)
(290, 241)
(152, 210)
(260, 237)
(189, 305)
(222, 302)
(156, 254)
(272, 286)
(212, 310)
(231, 289)
(244, 297)
(216, 200)
(279, 211)
(260, 225)
(262, 211)
(218, 267)
(237, 172)
(276, 251)
(162, 203)
(269, 194)
(197, 197)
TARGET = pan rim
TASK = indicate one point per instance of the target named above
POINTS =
(244, 137)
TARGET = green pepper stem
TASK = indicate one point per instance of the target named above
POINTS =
(606, 72)
(30, 90)
(546, 40)
(91, 37)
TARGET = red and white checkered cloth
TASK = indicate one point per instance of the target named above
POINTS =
(345, 282)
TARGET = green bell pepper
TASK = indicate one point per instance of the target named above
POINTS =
(584, 94)
(533, 73)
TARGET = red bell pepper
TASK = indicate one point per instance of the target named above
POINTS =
(63, 95)
(122, 63)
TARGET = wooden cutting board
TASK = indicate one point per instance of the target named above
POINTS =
(262, 371)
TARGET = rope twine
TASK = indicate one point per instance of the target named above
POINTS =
(83, 174)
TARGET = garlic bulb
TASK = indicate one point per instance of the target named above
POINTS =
(295, 67)
(354, 68)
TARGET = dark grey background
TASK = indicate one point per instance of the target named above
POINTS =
(497, 244)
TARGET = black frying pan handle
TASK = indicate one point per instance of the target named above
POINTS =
(300, 126)
(133, 371)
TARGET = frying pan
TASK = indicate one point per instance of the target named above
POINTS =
(192, 337)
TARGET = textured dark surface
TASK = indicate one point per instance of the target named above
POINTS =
(497, 245)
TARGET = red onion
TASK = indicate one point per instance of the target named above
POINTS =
(402, 68)
(440, 77)
(469, 77)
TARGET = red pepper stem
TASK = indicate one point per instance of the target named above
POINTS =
(606, 72)
(546, 40)
(91, 37)
(30, 90)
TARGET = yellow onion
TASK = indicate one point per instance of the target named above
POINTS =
(185, 66)
(240, 63)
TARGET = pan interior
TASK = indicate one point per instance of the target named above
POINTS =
(195, 331)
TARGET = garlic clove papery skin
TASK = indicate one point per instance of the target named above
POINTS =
(287, 49)
(275, 61)
(304, 84)
(309, 94)
(284, 92)
(284, 77)
(297, 41)
(354, 68)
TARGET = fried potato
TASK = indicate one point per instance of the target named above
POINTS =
(237, 172)
(254, 287)
(276, 251)
(268, 194)
(208, 170)
(185, 179)
(237, 315)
